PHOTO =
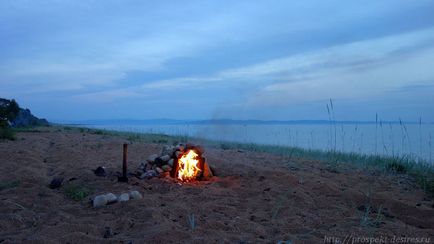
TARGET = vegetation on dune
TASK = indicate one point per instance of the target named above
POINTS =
(77, 191)
(421, 171)
(15, 119)
(7, 133)
(8, 111)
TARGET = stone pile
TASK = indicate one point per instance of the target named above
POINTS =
(104, 199)
(164, 164)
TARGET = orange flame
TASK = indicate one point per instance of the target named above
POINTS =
(188, 166)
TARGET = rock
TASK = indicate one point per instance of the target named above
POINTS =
(111, 198)
(160, 161)
(170, 162)
(151, 158)
(167, 150)
(199, 149)
(100, 171)
(108, 233)
(159, 170)
(178, 154)
(207, 173)
(56, 182)
(149, 174)
(189, 146)
(166, 168)
(142, 167)
(165, 158)
(99, 201)
(180, 147)
(148, 167)
(124, 197)
(135, 195)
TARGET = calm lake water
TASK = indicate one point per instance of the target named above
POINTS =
(388, 139)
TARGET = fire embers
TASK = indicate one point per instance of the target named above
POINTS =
(183, 162)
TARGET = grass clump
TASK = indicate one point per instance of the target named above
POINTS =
(397, 167)
(9, 184)
(77, 192)
(7, 133)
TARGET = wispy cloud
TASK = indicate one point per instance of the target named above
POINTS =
(360, 69)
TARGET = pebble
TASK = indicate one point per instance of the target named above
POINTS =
(100, 171)
(56, 182)
(108, 233)
(111, 198)
(149, 174)
(124, 197)
(135, 195)
(99, 201)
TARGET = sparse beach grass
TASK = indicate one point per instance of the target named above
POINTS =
(77, 191)
(7, 133)
(421, 171)
(9, 184)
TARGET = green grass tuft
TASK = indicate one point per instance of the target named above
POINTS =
(9, 184)
(76, 191)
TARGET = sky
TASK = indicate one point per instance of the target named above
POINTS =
(268, 60)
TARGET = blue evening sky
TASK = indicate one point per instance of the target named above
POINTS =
(280, 60)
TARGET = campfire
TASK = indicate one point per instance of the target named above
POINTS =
(183, 162)
(188, 166)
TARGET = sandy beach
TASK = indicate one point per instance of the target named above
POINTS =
(255, 197)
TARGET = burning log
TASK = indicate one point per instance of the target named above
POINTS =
(207, 172)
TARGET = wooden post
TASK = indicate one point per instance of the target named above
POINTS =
(124, 177)
(124, 164)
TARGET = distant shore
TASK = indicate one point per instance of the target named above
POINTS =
(228, 122)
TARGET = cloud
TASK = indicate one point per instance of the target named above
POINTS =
(360, 69)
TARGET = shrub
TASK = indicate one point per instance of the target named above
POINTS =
(7, 133)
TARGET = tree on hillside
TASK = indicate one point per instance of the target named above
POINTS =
(8, 111)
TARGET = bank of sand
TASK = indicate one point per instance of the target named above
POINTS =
(257, 197)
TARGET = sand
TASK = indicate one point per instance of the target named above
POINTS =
(255, 198)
